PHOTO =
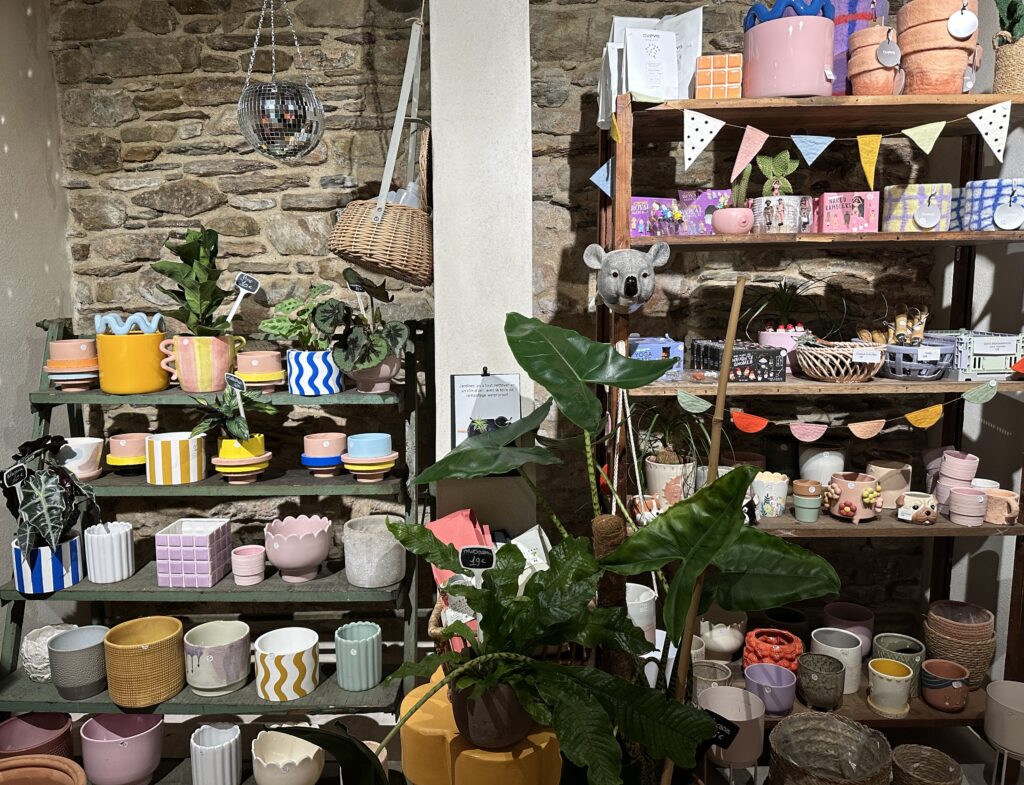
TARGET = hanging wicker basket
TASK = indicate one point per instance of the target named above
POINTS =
(1009, 71)
(914, 764)
(827, 749)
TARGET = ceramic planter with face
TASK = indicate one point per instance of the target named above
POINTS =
(843, 646)
(198, 362)
(669, 481)
(297, 546)
(110, 549)
(217, 657)
(945, 685)
(280, 759)
(36, 733)
(122, 749)
(373, 557)
(287, 664)
(216, 754)
(43, 571)
(918, 508)
(77, 663)
(853, 496)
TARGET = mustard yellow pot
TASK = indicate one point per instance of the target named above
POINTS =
(130, 364)
(234, 450)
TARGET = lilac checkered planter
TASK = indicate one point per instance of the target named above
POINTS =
(982, 197)
(903, 201)
(193, 553)
(957, 211)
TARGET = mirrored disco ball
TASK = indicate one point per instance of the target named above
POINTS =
(281, 119)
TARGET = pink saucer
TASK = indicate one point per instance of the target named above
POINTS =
(346, 458)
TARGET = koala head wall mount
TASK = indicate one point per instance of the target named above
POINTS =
(625, 278)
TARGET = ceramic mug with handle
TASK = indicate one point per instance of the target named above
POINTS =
(1002, 506)
(198, 362)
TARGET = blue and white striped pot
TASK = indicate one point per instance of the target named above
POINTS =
(44, 571)
(313, 373)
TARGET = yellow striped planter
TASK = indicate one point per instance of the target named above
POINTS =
(287, 664)
(175, 458)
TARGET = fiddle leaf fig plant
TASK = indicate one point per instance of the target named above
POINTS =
(367, 338)
(222, 413)
(776, 171)
(308, 324)
(197, 295)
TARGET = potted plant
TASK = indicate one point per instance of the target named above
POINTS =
(1009, 51)
(310, 326)
(673, 446)
(738, 219)
(370, 348)
(199, 359)
(46, 555)
(777, 210)
(241, 455)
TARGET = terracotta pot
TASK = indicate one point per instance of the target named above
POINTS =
(868, 38)
(745, 710)
(773, 646)
(935, 72)
(821, 680)
(73, 349)
(324, 445)
(122, 749)
(128, 445)
(1004, 715)
(868, 76)
(934, 37)
(852, 618)
(378, 379)
(1002, 507)
(36, 733)
(732, 220)
(918, 12)
(810, 489)
(945, 685)
(494, 720)
(41, 770)
(260, 363)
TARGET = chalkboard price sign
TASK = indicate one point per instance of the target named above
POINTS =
(247, 283)
(476, 557)
(16, 475)
(234, 382)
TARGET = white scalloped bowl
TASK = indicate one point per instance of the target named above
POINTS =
(296, 546)
(280, 759)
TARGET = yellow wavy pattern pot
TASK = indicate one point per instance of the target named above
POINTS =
(130, 364)
(287, 664)
(145, 661)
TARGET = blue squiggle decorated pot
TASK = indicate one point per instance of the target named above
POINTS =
(313, 373)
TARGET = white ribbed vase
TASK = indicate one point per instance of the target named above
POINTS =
(216, 755)
(110, 552)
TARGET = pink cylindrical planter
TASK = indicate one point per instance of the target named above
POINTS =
(788, 57)
(852, 618)
(967, 506)
(248, 564)
(746, 711)
(958, 465)
(782, 339)
(122, 749)
(324, 445)
(260, 362)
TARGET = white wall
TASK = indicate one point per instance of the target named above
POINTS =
(483, 186)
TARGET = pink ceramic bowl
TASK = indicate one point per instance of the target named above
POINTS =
(248, 564)
(260, 362)
(122, 749)
(296, 546)
(128, 445)
(73, 349)
(36, 733)
(324, 445)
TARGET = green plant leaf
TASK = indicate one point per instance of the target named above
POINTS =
(395, 335)
(329, 315)
(609, 627)
(177, 271)
(289, 306)
(426, 667)
(205, 425)
(459, 629)
(237, 428)
(759, 571)
(44, 511)
(566, 364)
(420, 541)
(765, 165)
(376, 290)
(485, 461)
(375, 353)
(361, 766)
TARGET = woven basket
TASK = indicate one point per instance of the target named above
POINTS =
(145, 661)
(825, 361)
(976, 656)
(1009, 75)
(400, 246)
(914, 764)
(827, 749)
(901, 362)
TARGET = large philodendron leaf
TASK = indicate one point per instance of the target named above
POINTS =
(488, 453)
(360, 764)
(759, 571)
(693, 531)
(420, 541)
(566, 364)
(44, 511)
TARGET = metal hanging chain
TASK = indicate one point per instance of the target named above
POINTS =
(295, 38)
(273, 45)
(255, 45)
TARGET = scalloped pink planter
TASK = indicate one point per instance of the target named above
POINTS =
(296, 546)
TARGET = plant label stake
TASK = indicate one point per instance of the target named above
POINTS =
(245, 284)
(477, 559)
(962, 24)
(238, 385)
(14, 477)
(358, 290)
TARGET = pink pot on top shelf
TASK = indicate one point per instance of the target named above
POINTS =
(783, 339)
(296, 546)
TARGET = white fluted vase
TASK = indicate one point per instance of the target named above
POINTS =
(110, 552)
(216, 755)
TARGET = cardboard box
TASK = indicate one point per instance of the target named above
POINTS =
(848, 212)
(751, 362)
(641, 348)
(697, 207)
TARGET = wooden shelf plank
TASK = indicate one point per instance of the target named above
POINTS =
(330, 586)
(722, 242)
(798, 386)
(19, 693)
(274, 483)
(175, 397)
(885, 525)
(840, 116)
(180, 773)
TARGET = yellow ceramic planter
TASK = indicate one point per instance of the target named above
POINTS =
(276, 376)
(234, 450)
(130, 364)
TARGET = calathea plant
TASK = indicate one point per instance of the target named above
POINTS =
(222, 413)
(197, 294)
(53, 500)
(367, 338)
(307, 323)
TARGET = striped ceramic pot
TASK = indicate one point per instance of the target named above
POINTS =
(176, 458)
(43, 570)
(357, 646)
(198, 362)
(312, 373)
(216, 752)
(287, 664)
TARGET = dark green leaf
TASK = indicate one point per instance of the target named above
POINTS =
(44, 511)
(204, 426)
(176, 271)
(329, 315)
(485, 461)
(422, 542)
(533, 703)
(609, 627)
(567, 365)
(361, 766)
(376, 290)
(375, 353)
(237, 428)
(459, 629)
(395, 335)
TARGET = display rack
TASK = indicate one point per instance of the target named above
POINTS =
(329, 590)
(641, 124)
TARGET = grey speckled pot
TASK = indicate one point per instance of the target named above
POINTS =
(373, 557)
(77, 663)
(902, 648)
(820, 679)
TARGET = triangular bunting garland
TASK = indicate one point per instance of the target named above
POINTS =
(925, 418)
(993, 122)
(807, 431)
(753, 141)
(811, 147)
(604, 177)
(983, 393)
(698, 131)
(691, 403)
(614, 131)
(868, 145)
(868, 429)
(748, 423)
(924, 136)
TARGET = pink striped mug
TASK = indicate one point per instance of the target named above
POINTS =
(198, 362)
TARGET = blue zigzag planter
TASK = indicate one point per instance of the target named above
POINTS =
(313, 373)
(761, 13)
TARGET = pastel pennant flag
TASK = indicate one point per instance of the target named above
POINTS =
(807, 431)
(924, 136)
(811, 147)
(983, 393)
(753, 141)
(604, 176)
(614, 131)
(993, 122)
(691, 403)
(748, 423)
(698, 131)
(868, 429)
(925, 418)
(868, 145)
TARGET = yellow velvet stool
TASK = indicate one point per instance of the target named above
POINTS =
(433, 752)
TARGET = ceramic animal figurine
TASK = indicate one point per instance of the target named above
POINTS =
(115, 324)
(625, 278)
(919, 508)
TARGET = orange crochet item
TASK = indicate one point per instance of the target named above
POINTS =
(775, 647)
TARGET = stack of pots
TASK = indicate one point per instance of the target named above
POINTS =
(963, 633)
(868, 76)
(806, 500)
(957, 470)
(934, 61)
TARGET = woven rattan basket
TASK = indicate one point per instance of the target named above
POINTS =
(976, 656)
(825, 361)
(827, 749)
(914, 764)
(1009, 73)
(145, 661)
(400, 246)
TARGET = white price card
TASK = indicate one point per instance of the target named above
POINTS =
(867, 356)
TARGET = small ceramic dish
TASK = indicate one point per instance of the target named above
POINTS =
(355, 460)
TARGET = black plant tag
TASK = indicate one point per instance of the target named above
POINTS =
(247, 283)
(16, 475)
(725, 730)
